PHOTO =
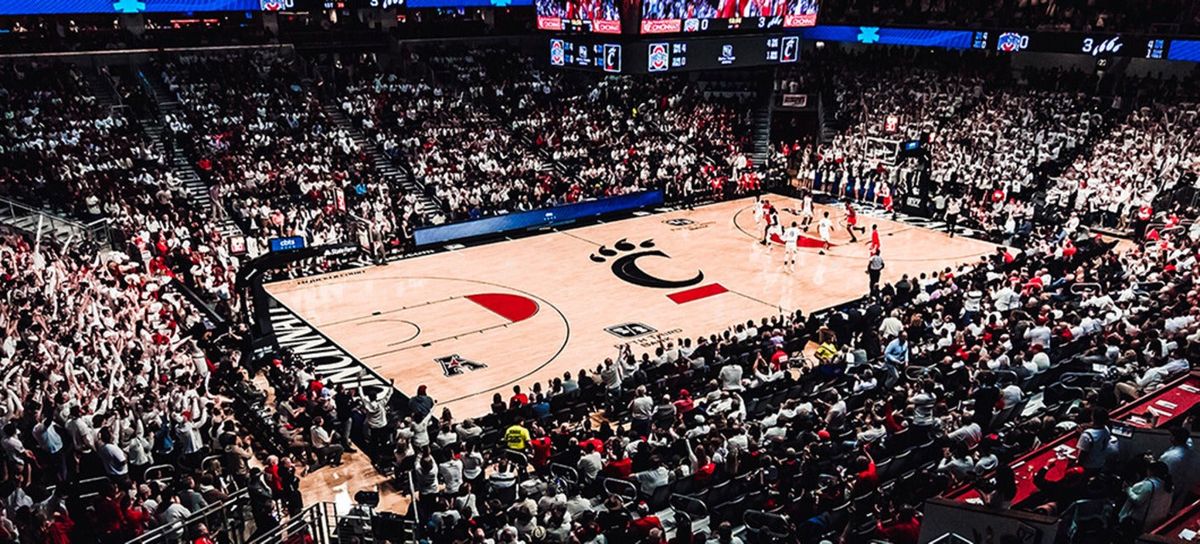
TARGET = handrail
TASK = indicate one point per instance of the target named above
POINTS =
(173, 531)
(14, 204)
(95, 230)
(412, 487)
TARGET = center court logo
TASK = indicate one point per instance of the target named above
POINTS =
(627, 269)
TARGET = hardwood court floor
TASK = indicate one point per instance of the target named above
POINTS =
(532, 308)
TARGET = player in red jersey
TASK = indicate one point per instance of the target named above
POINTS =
(884, 192)
(874, 244)
(852, 222)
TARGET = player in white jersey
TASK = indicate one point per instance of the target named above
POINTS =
(758, 210)
(806, 211)
(791, 236)
(825, 229)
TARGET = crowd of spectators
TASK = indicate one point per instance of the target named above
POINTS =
(442, 131)
(1012, 131)
(66, 152)
(112, 373)
(997, 137)
(113, 421)
(271, 155)
(110, 370)
(540, 138)
(1149, 148)
(748, 420)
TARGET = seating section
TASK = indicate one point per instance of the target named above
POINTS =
(270, 153)
(131, 402)
(1148, 149)
(999, 138)
(739, 433)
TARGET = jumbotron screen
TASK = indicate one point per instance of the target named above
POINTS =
(602, 16)
(669, 16)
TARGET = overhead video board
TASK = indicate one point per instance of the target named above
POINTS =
(672, 16)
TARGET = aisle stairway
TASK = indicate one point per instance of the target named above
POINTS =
(180, 164)
(100, 87)
(763, 103)
(397, 176)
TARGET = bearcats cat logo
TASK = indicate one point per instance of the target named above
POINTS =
(626, 266)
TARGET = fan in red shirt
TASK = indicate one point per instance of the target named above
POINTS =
(541, 451)
(59, 530)
(518, 399)
(597, 445)
(867, 479)
(641, 527)
(620, 466)
(779, 358)
(905, 529)
(203, 537)
(1068, 249)
(685, 403)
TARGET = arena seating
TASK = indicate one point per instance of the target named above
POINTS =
(713, 436)
(130, 399)
(1146, 150)
(250, 151)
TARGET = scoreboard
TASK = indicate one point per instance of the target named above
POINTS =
(587, 54)
(1099, 45)
(652, 56)
(705, 54)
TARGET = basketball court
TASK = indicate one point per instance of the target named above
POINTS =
(473, 322)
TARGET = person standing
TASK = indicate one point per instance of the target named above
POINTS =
(791, 237)
(874, 270)
(689, 194)
(874, 244)
(1142, 220)
(806, 211)
(1184, 465)
(953, 208)
(293, 502)
(772, 222)
(825, 229)
(852, 222)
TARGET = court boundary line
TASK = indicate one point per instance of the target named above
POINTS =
(562, 347)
